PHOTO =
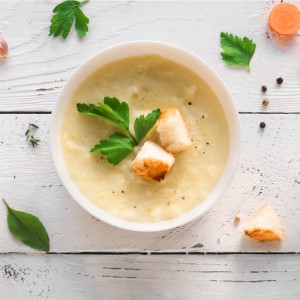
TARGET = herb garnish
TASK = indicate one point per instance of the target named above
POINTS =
(143, 124)
(116, 147)
(65, 13)
(28, 229)
(119, 145)
(29, 135)
(237, 51)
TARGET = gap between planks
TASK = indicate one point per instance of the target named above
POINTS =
(240, 112)
(162, 253)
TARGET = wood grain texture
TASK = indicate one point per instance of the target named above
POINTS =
(39, 65)
(148, 277)
(269, 170)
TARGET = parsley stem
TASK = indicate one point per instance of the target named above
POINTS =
(83, 2)
(133, 138)
(5, 203)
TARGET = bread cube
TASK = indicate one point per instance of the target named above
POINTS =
(173, 131)
(152, 162)
(265, 225)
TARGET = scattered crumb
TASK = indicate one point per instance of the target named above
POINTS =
(218, 240)
(265, 102)
(237, 218)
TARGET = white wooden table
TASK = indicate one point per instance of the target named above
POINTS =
(206, 259)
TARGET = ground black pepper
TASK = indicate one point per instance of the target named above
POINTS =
(190, 103)
(279, 80)
(264, 88)
(262, 125)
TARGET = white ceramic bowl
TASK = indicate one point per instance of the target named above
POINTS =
(178, 55)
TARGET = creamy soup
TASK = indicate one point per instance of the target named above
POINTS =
(146, 83)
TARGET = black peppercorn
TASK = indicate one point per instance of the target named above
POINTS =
(190, 103)
(264, 88)
(279, 80)
(262, 125)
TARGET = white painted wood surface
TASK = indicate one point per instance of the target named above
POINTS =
(269, 168)
(39, 65)
(135, 277)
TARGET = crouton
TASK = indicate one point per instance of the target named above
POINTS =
(152, 162)
(265, 225)
(237, 218)
(173, 133)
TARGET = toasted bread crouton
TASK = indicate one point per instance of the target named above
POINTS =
(152, 162)
(237, 218)
(265, 225)
(172, 131)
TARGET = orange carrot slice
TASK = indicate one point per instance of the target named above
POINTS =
(284, 19)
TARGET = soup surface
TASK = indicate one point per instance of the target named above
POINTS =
(146, 83)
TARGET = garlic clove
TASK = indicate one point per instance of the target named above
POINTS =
(3, 48)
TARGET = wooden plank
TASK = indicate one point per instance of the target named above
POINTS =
(269, 170)
(39, 65)
(149, 277)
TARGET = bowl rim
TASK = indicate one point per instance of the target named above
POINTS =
(198, 210)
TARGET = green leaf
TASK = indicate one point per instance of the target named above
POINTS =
(112, 110)
(65, 14)
(116, 148)
(121, 108)
(81, 23)
(29, 135)
(119, 145)
(237, 51)
(28, 229)
(33, 125)
(143, 124)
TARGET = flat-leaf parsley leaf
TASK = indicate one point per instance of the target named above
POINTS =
(143, 124)
(237, 51)
(119, 145)
(65, 14)
(116, 147)
(111, 112)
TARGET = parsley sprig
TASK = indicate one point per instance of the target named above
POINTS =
(29, 135)
(237, 51)
(65, 14)
(119, 145)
